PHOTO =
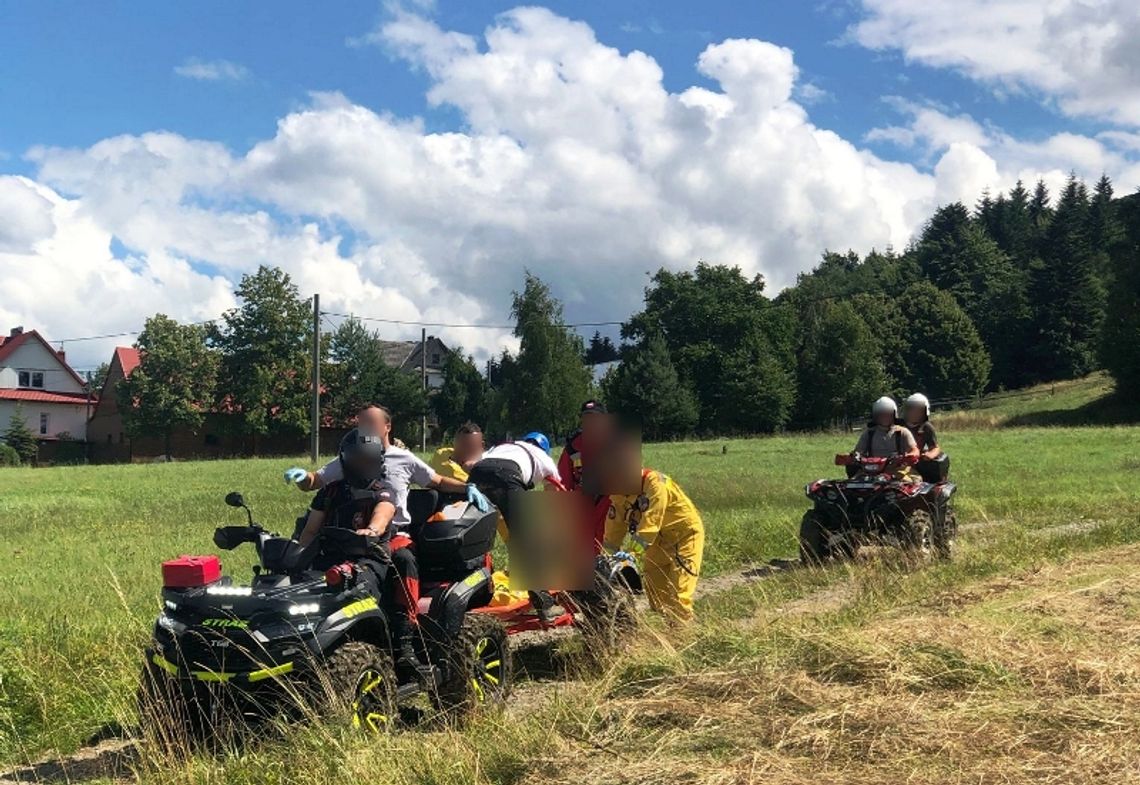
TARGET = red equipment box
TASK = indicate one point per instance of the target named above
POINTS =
(189, 571)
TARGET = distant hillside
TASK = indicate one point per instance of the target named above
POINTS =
(1087, 401)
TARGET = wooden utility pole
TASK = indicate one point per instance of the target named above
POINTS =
(423, 381)
(315, 424)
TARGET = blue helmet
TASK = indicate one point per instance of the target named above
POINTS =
(538, 440)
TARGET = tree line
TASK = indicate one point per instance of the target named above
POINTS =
(1020, 289)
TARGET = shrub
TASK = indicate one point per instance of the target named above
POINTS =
(8, 456)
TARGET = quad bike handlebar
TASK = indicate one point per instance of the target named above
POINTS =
(873, 465)
(283, 554)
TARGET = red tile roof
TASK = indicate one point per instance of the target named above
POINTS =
(128, 358)
(40, 396)
(13, 342)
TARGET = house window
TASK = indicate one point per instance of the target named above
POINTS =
(435, 359)
(31, 379)
(120, 437)
(44, 422)
(108, 438)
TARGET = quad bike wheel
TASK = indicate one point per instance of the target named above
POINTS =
(479, 667)
(178, 716)
(362, 677)
(609, 619)
(945, 536)
(918, 534)
(815, 545)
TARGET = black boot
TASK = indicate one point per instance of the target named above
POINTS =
(545, 607)
(404, 644)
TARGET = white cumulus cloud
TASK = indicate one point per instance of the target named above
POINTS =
(573, 160)
(1080, 54)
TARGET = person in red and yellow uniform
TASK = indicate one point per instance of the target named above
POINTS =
(578, 454)
(667, 525)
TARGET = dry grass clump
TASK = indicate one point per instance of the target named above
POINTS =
(1028, 680)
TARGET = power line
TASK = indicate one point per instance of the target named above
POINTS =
(450, 324)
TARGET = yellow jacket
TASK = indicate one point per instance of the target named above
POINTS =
(445, 467)
(661, 510)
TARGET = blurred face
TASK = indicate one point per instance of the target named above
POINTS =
(595, 427)
(376, 421)
(885, 418)
(622, 465)
(468, 446)
(914, 413)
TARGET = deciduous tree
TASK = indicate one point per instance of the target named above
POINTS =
(174, 383)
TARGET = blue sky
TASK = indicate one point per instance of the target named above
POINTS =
(410, 159)
(77, 72)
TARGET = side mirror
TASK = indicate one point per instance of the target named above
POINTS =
(235, 499)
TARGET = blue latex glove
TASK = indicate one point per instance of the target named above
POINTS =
(476, 497)
(295, 475)
(623, 555)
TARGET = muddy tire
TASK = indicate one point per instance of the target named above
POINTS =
(609, 621)
(918, 535)
(360, 679)
(479, 669)
(815, 539)
(946, 536)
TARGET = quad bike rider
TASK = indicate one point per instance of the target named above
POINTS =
(883, 500)
(365, 501)
(318, 628)
(933, 462)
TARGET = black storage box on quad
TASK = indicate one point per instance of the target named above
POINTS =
(450, 549)
(936, 470)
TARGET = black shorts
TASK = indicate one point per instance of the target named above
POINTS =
(499, 480)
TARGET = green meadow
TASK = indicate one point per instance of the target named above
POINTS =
(874, 671)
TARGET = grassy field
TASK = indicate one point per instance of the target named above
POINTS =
(1017, 663)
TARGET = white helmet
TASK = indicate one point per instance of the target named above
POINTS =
(885, 404)
(918, 399)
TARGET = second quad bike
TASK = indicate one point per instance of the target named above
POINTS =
(300, 640)
(873, 506)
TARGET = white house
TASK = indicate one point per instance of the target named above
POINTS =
(36, 379)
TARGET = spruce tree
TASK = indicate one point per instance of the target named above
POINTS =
(546, 381)
(645, 387)
(356, 376)
(1120, 338)
(19, 436)
(462, 396)
(959, 257)
(1068, 295)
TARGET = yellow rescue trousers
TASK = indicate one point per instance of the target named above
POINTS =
(668, 526)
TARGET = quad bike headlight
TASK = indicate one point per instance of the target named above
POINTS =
(230, 591)
(169, 623)
(306, 608)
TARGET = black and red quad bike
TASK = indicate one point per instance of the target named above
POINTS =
(298, 640)
(874, 507)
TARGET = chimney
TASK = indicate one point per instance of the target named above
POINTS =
(15, 331)
(62, 355)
